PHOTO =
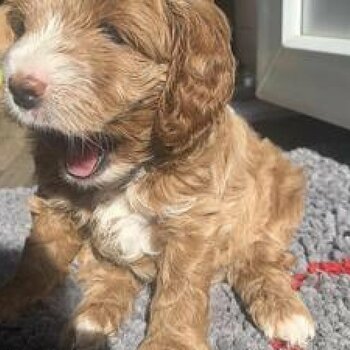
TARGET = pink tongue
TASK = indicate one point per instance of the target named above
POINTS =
(83, 165)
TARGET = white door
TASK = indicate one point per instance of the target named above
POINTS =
(304, 56)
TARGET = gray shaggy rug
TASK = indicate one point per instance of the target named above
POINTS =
(323, 237)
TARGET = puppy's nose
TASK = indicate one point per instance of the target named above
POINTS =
(27, 91)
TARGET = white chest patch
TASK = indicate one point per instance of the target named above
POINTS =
(119, 233)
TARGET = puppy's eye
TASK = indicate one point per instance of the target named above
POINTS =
(16, 22)
(111, 32)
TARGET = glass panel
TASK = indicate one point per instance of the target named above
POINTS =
(328, 18)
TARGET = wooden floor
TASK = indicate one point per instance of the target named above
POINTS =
(16, 164)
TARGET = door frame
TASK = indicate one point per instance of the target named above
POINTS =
(293, 38)
(308, 74)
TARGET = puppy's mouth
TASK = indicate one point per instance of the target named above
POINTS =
(85, 161)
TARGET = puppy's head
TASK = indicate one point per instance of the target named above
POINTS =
(99, 67)
(76, 65)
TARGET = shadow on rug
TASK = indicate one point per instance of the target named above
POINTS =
(323, 237)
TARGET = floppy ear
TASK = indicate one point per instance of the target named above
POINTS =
(6, 34)
(201, 74)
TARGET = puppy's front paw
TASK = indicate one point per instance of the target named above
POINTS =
(83, 334)
(296, 330)
(289, 321)
(166, 343)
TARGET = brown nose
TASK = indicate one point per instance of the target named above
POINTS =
(27, 91)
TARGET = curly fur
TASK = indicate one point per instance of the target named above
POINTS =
(190, 194)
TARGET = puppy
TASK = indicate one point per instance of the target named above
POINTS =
(145, 173)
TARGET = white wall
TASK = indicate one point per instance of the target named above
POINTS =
(323, 18)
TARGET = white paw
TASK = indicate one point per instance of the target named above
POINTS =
(296, 330)
(85, 326)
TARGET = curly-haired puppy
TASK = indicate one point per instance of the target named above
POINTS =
(145, 173)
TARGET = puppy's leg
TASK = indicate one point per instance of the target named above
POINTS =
(179, 311)
(48, 251)
(109, 293)
(262, 280)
